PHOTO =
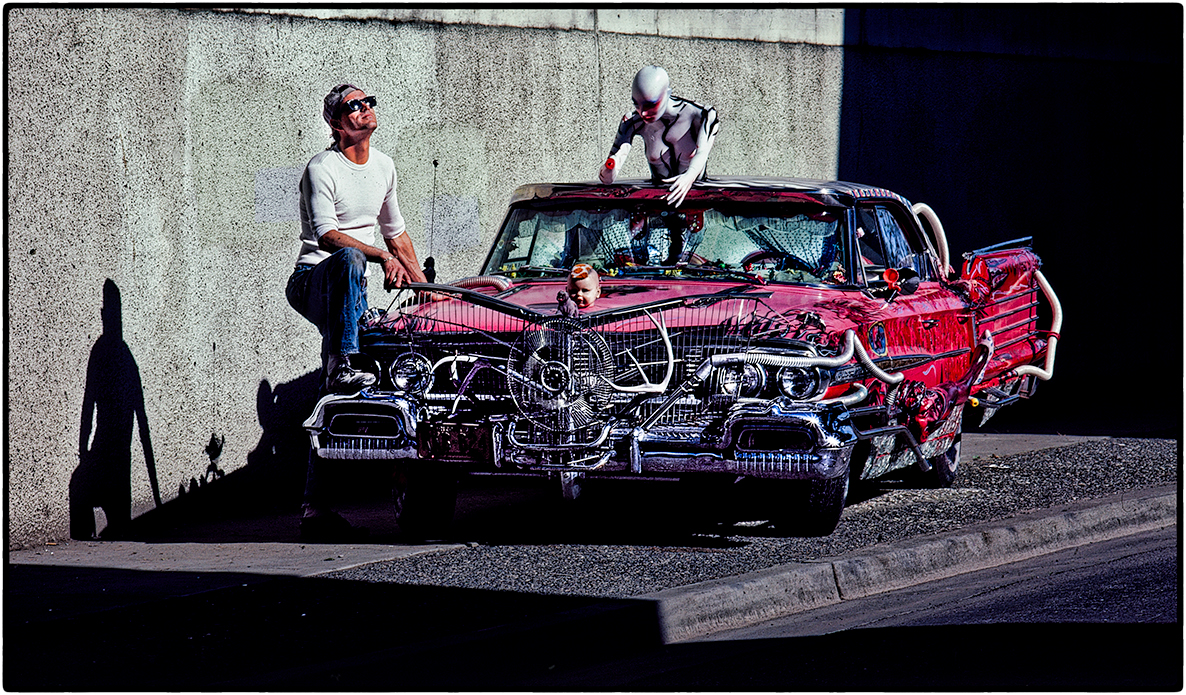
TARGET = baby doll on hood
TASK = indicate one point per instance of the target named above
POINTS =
(584, 287)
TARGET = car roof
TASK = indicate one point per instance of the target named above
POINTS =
(734, 188)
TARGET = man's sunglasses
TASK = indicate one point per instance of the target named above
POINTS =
(356, 105)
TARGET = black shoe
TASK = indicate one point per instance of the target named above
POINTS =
(349, 380)
(330, 527)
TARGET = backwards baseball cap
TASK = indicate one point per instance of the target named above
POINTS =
(333, 100)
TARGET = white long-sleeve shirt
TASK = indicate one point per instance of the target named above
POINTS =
(354, 199)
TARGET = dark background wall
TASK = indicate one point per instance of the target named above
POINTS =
(1061, 122)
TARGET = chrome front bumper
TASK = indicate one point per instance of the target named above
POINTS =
(762, 440)
(362, 427)
(767, 439)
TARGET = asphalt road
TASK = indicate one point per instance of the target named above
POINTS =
(1132, 579)
(1029, 625)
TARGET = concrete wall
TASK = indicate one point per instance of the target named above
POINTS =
(153, 158)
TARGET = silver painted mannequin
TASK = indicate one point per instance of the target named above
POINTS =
(677, 134)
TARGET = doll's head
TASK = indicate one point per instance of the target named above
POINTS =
(584, 285)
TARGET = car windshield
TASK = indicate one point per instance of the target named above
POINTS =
(772, 242)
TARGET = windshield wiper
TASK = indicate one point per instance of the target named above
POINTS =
(739, 274)
(541, 269)
(679, 269)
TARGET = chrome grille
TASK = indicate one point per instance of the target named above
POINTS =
(357, 448)
(471, 348)
(771, 463)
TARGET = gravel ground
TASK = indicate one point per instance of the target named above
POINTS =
(624, 543)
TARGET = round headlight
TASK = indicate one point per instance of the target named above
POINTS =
(746, 380)
(372, 317)
(798, 382)
(411, 373)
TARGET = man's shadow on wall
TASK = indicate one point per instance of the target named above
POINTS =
(112, 402)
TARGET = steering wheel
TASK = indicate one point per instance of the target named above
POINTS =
(786, 261)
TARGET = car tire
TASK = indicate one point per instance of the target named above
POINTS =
(424, 495)
(944, 467)
(813, 507)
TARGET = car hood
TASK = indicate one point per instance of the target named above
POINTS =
(836, 309)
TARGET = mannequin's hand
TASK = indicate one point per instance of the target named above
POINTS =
(607, 171)
(680, 185)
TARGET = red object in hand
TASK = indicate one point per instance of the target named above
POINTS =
(609, 163)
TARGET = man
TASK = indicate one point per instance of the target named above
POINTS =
(677, 134)
(347, 194)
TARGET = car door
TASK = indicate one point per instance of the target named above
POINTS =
(927, 333)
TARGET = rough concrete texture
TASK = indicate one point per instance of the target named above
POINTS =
(152, 221)
(824, 26)
(266, 559)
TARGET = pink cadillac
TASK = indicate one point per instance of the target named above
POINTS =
(800, 334)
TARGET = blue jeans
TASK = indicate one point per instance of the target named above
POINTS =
(333, 296)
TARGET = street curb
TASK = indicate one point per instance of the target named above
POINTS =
(696, 610)
(639, 623)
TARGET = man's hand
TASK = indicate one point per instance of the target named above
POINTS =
(407, 266)
(394, 272)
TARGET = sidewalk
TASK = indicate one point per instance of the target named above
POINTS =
(576, 635)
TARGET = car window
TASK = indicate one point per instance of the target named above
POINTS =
(885, 241)
(782, 243)
(893, 240)
(869, 239)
